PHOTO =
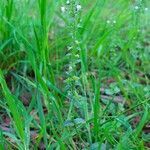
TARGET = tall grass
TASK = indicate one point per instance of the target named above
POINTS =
(83, 68)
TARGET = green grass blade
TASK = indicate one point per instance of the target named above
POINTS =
(11, 101)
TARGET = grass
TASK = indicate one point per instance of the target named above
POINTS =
(74, 74)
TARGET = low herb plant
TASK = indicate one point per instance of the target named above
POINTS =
(74, 74)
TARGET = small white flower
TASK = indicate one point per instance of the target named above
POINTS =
(108, 21)
(68, 2)
(114, 21)
(63, 9)
(70, 68)
(78, 7)
(136, 7)
(146, 9)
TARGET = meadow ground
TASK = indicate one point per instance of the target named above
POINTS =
(75, 74)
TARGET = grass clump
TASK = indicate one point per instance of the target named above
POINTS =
(74, 74)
